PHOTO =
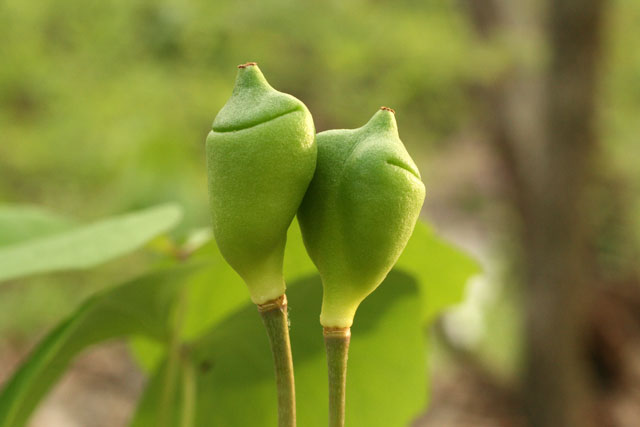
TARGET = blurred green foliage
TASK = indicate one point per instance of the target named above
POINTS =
(199, 336)
(84, 247)
(104, 106)
(386, 365)
(20, 223)
(139, 307)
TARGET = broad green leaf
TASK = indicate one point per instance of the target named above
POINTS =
(146, 352)
(196, 239)
(140, 307)
(213, 293)
(441, 270)
(233, 375)
(87, 246)
(20, 222)
(297, 263)
(216, 291)
(237, 344)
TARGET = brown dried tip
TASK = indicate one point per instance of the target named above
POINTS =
(248, 64)
(388, 109)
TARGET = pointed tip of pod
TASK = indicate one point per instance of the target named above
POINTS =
(250, 76)
(383, 120)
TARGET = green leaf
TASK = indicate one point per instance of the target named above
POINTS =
(140, 307)
(439, 273)
(441, 270)
(387, 333)
(233, 372)
(297, 263)
(216, 291)
(20, 222)
(87, 246)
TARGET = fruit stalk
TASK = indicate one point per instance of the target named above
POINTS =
(275, 319)
(337, 345)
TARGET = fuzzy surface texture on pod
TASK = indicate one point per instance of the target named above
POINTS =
(261, 156)
(359, 212)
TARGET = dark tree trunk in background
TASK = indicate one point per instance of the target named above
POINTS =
(543, 128)
(558, 288)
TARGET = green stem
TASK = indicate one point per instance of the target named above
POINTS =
(275, 319)
(173, 362)
(336, 341)
(189, 393)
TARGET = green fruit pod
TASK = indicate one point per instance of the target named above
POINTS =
(261, 156)
(359, 212)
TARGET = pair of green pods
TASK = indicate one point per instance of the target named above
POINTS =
(357, 194)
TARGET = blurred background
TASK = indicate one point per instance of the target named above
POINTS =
(522, 116)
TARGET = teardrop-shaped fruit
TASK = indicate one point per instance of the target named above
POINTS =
(261, 156)
(359, 212)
